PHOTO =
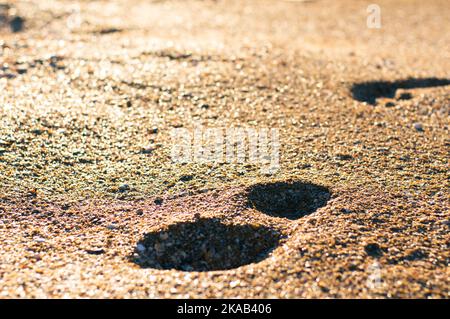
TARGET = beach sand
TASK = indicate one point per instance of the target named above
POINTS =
(93, 205)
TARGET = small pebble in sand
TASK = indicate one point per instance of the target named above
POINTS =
(186, 178)
(17, 24)
(147, 150)
(95, 251)
(124, 188)
(37, 131)
(404, 96)
(140, 248)
(373, 249)
(418, 127)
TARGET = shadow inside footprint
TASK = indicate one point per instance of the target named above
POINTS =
(205, 244)
(289, 200)
(370, 91)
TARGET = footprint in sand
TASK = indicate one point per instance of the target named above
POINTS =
(369, 92)
(208, 244)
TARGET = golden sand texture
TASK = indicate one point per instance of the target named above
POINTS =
(91, 204)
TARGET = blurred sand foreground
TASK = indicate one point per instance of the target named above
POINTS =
(91, 204)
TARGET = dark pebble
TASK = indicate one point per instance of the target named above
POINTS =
(17, 24)
(186, 178)
(95, 251)
(373, 250)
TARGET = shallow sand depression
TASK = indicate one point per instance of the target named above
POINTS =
(205, 245)
(93, 205)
